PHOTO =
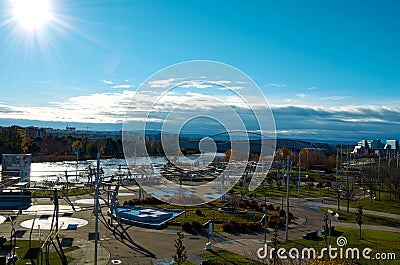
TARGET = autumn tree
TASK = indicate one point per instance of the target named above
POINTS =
(77, 146)
(11, 140)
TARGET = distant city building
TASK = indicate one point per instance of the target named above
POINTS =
(92, 135)
(35, 132)
(16, 169)
(364, 144)
(376, 146)
(392, 145)
(359, 150)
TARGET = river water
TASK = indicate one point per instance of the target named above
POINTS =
(53, 171)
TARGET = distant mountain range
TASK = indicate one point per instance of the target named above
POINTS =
(118, 127)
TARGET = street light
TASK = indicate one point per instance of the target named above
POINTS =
(298, 184)
(287, 197)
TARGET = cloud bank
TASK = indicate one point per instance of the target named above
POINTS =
(292, 121)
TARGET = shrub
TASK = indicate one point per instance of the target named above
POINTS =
(148, 201)
(129, 203)
(275, 221)
(197, 226)
(255, 227)
(187, 227)
(271, 207)
(241, 227)
(228, 228)
(199, 213)
(282, 213)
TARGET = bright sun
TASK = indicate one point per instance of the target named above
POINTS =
(32, 14)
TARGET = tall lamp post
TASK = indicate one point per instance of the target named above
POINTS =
(287, 198)
(298, 183)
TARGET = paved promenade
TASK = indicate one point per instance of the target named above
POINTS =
(134, 245)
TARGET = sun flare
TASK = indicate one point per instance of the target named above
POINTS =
(32, 14)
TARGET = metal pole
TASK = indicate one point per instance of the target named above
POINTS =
(337, 184)
(96, 209)
(298, 184)
(287, 198)
(77, 162)
(56, 203)
(66, 177)
(347, 179)
(265, 224)
(379, 177)
(307, 158)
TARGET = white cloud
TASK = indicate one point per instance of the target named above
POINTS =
(310, 88)
(195, 84)
(222, 82)
(163, 83)
(302, 96)
(108, 82)
(234, 88)
(301, 120)
(276, 85)
(335, 98)
(122, 86)
(187, 83)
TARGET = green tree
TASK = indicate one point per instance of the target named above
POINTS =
(180, 254)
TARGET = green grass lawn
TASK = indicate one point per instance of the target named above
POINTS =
(378, 241)
(368, 219)
(280, 191)
(227, 257)
(385, 205)
(186, 262)
(24, 252)
(71, 192)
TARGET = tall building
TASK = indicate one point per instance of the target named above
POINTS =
(364, 144)
(392, 145)
(377, 145)
(35, 132)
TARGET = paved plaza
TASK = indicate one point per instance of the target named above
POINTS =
(133, 245)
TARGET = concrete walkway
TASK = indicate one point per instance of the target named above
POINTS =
(85, 254)
(195, 259)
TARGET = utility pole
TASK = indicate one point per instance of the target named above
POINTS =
(337, 184)
(265, 223)
(347, 179)
(66, 177)
(76, 169)
(96, 209)
(298, 184)
(391, 177)
(379, 177)
(287, 197)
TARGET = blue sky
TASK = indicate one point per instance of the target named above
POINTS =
(328, 68)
